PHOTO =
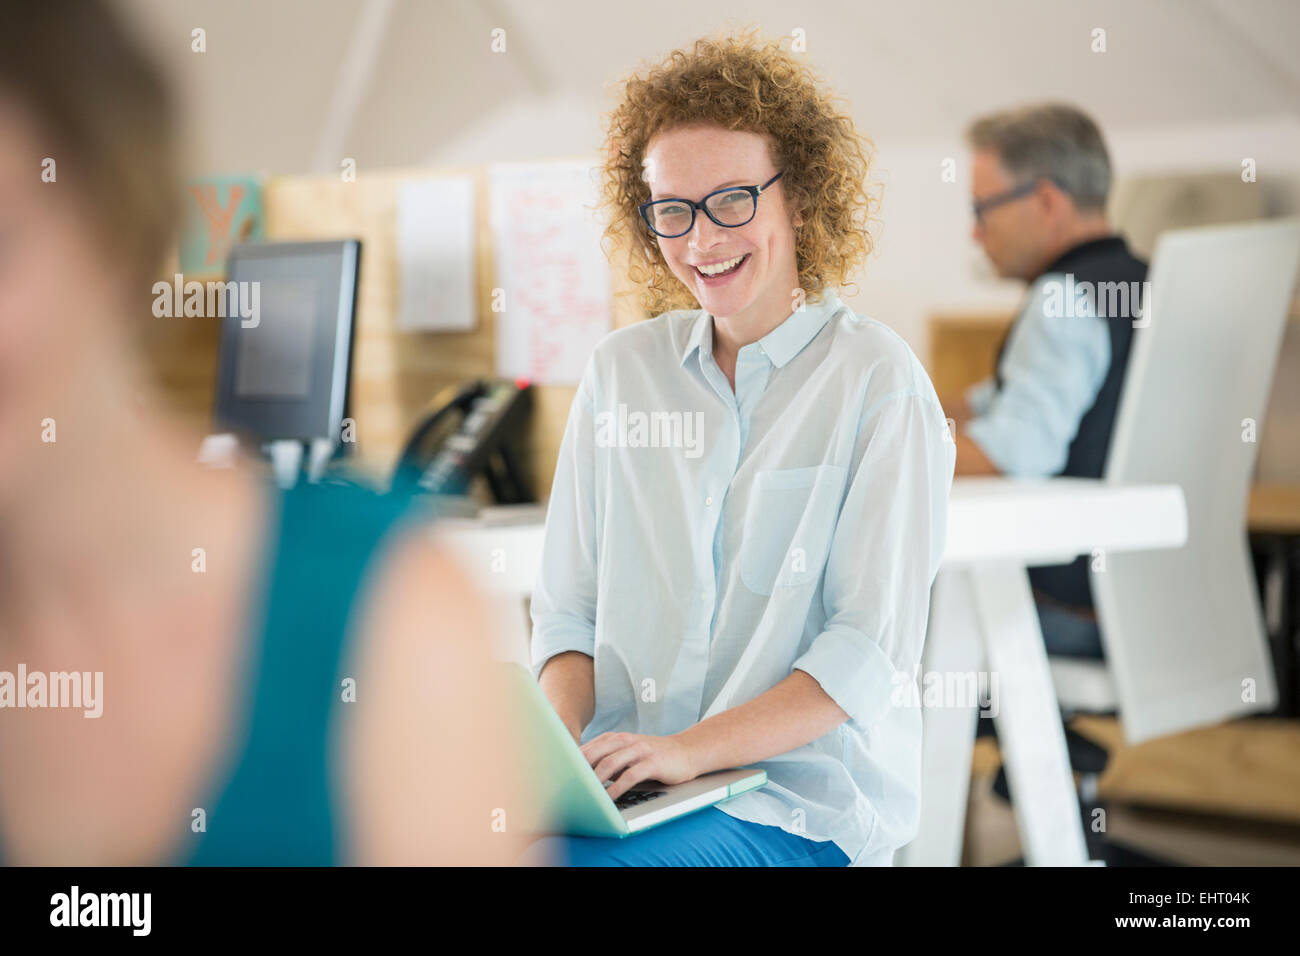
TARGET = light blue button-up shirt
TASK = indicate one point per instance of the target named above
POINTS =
(702, 544)
(1052, 369)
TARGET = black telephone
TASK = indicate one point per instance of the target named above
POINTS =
(479, 431)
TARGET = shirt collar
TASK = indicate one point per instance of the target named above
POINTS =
(781, 344)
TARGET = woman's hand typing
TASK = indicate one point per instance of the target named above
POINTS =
(627, 759)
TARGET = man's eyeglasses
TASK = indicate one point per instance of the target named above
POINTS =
(730, 207)
(981, 206)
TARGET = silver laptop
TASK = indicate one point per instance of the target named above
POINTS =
(575, 801)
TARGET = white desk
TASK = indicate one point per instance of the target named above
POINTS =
(982, 614)
(982, 617)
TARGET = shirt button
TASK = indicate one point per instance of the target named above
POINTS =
(709, 500)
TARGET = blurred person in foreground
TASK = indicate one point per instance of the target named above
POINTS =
(757, 595)
(1039, 181)
(221, 737)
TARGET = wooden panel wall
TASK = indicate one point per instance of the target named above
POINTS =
(963, 348)
(395, 374)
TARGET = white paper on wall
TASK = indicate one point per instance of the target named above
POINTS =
(435, 254)
(553, 278)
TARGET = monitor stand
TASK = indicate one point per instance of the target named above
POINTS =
(286, 456)
(286, 460)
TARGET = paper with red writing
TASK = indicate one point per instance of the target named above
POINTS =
(551, 286)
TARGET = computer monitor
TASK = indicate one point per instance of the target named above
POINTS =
(286, 342)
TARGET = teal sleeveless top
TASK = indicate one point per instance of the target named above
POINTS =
(272, 801)
(278, 806)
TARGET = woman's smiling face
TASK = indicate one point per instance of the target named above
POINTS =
(689, 162)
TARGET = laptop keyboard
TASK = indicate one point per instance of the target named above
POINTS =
(634, 797)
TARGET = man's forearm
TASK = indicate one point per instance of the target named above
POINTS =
(956, 408)
(971, 459)
(569, 682)
(794, 712)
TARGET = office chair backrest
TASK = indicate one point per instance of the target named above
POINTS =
(1182, 629)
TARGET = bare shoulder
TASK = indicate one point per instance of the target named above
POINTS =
(427, 709)
(413, 576)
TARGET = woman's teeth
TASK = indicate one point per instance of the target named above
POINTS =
(721, 268)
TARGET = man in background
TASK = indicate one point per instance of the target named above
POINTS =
(1040, 179)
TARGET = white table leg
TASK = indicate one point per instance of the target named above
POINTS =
(1028, 719)
(953, 647)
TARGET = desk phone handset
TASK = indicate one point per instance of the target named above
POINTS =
(479, 431)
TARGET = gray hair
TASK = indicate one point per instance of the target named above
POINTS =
(1049, 141)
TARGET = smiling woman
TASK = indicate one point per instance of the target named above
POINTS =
(734, 83)
(757, 602)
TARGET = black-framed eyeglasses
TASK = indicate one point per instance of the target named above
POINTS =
(730, 207)
(980, 207)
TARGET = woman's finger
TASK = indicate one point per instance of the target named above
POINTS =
(637, 772)
(606, 744)
(609, 767)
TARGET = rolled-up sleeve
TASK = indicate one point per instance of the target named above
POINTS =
(563, 605)
(1054, 366)
(885, 552)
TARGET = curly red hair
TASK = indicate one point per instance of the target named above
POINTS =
(737, 84)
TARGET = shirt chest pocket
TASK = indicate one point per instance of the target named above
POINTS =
(788, 526)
